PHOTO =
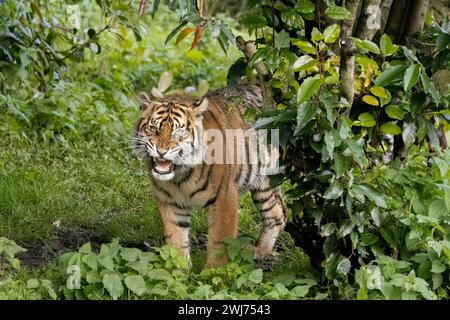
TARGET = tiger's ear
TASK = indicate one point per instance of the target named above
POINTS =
(145, 101)
(200, 107)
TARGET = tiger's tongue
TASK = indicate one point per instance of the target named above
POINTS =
(163, 166)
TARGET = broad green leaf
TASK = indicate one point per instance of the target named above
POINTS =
(366, 45)
(340, 165)
(130, 254)
(410, 55)
(386, 46)
(300, 291)
(365, 120)
(159, 275)
(113, 284)
(373, 194)
(411, 77)
(308, 88)
(90, 260)
(303, 63)
(437, 209)
(259, 55)
(316, 35)
(256, 276)
(343, 266)
(390, 74)
(328, 229)
(370, 100)
(430, 88)
(337, 12)
(417, 102)
(395, 112)
(106, 261)
(437, 266)
(447, 199)
(305, 46)
(305, 6)
(282, 40)
(375, 214)
(357, 152)
(305, 113)
(389, 236)
(292, 19)
(379, 92)
(329, 143)
(409, 134)
(331, 33)
(334, 191)
(390, 128)
(136, 284)
(85, 248)
(433, 136)
(32, 284)
(253, 21)
(368, 239)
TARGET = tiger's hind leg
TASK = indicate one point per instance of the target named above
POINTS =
(272, 210)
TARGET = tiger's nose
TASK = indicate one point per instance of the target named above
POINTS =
(162, 152)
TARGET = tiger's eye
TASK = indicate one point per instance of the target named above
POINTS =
(180, 134)
(151, 128)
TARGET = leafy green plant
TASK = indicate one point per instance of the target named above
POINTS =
(8, 251)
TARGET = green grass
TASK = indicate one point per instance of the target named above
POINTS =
(100, 188)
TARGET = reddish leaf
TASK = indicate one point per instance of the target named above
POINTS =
(142, 7)
(198, 35)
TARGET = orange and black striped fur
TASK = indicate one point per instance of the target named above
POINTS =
(165, 137)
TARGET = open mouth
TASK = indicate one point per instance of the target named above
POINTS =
(163, 166)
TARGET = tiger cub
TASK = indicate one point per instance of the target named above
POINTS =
(172, 135)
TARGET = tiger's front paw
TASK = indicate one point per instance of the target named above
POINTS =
(216, 262)
(260, 252)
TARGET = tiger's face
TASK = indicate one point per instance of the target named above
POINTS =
(165, 135)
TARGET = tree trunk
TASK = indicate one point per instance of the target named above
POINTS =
(385, 8)
(369, 22)
(347, 64)
(416, 17)
(397, 19)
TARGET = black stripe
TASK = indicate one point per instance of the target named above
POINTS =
(182, 214)
(215, 119)
(167, 193)
(174, 112)
(201, 174)
(186, 176)
(210, 201)
(182, 224)
(283, 208)
(250, 167)
(269, 208)
(271, 225)
(176, 205)
(204, 185)
(238, 176)
(265, 189)
(262, 200)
